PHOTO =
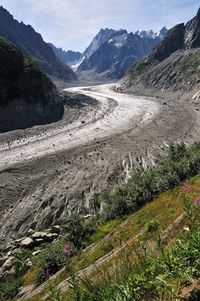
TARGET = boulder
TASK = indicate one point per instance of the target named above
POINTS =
(8, 264)
(3, 260)
(27, 242)
(55, 229)
(30, 232)
(50, 236)
(36, 252)
(55, 235)
(39, 241)
(39, 235)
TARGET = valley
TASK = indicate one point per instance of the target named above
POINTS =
(116, 113)
(99, 152)
(63, 165)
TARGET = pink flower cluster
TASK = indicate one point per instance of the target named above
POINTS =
(68, 251)
(185, 187)
(197, 201)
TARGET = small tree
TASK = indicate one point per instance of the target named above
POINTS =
(78, 230)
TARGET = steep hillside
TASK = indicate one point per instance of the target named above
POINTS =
(28, 97)
(118, 53)
(173, 64)
(151, 254)
(31, 43)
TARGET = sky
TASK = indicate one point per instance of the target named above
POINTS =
(71, 24)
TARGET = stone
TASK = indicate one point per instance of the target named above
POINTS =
(28, 263)
(27, 242)
(39, 241)
(30, 232)
(39, 235)
(56, 229)
(36, 252)
(8, 264)
(55, 235)
(50, 236)
(87, 216)
(3, 260)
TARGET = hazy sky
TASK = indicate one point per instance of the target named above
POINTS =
(72, 24)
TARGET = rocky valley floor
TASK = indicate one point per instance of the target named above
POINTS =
(49, 171)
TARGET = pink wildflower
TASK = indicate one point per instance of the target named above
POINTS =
(185, 187)
(197, 201)
(68, 251)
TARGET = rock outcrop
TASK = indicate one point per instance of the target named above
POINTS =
(27, 95)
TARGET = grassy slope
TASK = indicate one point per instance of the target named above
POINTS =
(141, 227)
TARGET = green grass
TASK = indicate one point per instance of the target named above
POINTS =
(145, 224)
(164, 209)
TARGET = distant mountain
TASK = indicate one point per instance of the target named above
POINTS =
(118, 52)
(27, 95)
(151, 34)
(32, 44)
(102, 37)
(68, 57)
(173, 64)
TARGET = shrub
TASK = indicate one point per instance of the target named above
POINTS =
(180, 164)
(78, 230)
(49, 261)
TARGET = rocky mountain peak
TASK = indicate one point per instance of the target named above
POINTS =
(173, 41)
(102, 37)
(192, 32)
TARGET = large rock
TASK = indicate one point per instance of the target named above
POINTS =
(27, 242)
(8, 264)
(39, 235)
(56, 229)
(3, 260)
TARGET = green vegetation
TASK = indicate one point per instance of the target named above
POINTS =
(78, 231)
(156, 276)
(133, 231)
(49, 261)
(155, 269)
(180, 164)
(189, 67)
(10, 284)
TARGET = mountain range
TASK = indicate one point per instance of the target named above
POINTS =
(111, 52)
(173, 64)
(31, 43)
(69, 57)
(117, 53)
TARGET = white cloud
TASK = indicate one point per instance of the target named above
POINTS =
(73, 23)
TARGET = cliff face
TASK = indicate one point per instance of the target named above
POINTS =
(27, 96)
(31, 43)
(173, 64)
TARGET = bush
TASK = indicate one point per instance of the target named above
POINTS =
(179, 165)
(9, 287)
(49, 261)
(78, 230)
